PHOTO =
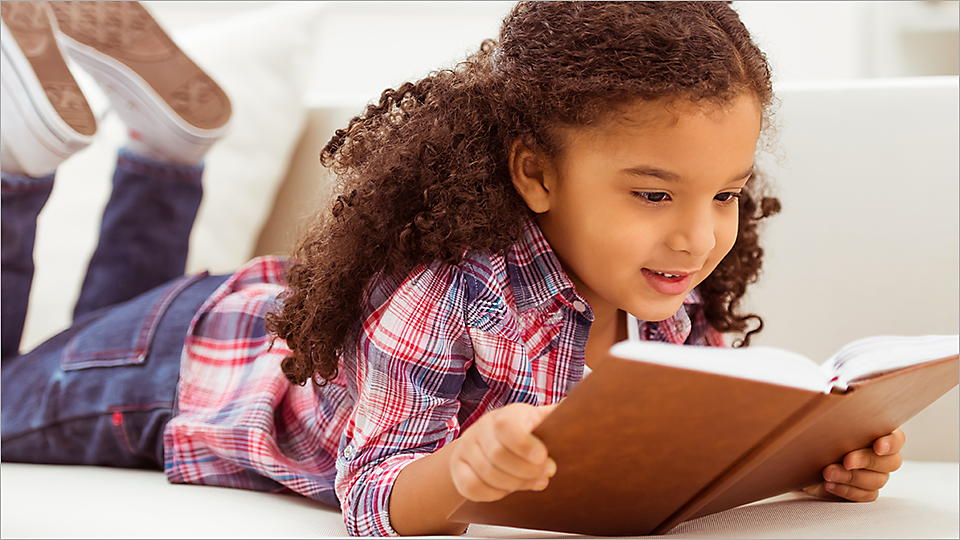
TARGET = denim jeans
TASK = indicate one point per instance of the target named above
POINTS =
(101, 391)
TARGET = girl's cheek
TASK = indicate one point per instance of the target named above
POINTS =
(725, 241)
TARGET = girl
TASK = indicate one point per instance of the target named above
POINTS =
(498, 227)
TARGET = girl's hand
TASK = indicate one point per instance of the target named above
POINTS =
(862, 472)
(498, 454)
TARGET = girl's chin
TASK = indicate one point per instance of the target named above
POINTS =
(663, 310)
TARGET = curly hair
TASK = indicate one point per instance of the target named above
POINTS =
(422, 174)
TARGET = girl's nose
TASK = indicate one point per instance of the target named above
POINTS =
(694, 232)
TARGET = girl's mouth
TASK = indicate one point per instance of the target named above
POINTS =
(666, 285)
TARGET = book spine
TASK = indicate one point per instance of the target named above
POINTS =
(780, 436)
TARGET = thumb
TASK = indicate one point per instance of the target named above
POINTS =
(547, 409)
(543, 411)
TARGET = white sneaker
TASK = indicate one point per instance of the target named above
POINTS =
(45, 117)
(171, 107)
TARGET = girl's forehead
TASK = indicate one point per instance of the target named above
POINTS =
(666, 113)
(642, 118)
(668, 136)
(641, 113)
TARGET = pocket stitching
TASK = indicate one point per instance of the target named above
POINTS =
(121, 427)
(115, 357)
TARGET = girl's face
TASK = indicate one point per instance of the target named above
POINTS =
(650, 190)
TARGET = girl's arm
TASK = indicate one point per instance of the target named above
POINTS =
(496, 456)
(411, 361)
(424, 494)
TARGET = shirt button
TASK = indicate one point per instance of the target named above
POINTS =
(348, 452)
(579, 306)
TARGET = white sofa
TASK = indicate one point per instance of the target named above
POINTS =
(59, 501)
(868, 177)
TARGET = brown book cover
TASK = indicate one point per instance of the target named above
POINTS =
(642, 447)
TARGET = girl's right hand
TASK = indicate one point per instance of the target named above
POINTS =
(499, 454)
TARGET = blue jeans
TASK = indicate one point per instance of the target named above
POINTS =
(101, 391)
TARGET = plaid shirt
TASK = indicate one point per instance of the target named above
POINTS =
(437, 350)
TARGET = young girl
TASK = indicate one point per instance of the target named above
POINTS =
(585, 178)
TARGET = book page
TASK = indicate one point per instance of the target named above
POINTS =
(873, 355)
(765, 364)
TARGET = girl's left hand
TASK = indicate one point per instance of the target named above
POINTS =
(862, 472)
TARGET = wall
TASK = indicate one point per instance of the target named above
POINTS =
(364, 47)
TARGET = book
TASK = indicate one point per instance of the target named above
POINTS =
(659, 433)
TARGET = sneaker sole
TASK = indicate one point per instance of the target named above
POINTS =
(31, 29)
(121, 40)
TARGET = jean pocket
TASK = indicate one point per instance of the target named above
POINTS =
(123, 334)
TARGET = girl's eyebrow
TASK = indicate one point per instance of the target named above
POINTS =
(647, 170)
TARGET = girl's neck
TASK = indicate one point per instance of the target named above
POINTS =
(603, 336)
(612, 326)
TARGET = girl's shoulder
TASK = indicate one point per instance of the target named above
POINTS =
(489, 285)
(262, 269)
(476, 289)
(486, 276)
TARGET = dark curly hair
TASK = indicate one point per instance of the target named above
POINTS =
(422, 175)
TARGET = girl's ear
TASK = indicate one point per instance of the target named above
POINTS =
(527, 171)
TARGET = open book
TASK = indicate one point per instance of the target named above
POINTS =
(659, 434)
(854, 361)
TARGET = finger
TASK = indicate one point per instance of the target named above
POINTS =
(861, 478)
(516, 437)
(817, 490)
(890, 444)
(512, 464)
(471, 486)
(493, 475)
(851, 493)
(866, 458)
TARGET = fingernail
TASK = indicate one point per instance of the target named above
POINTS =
(542, 485)
(551, 468)
(883, 447)
(829, 486)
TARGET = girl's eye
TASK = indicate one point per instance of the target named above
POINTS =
(643, 195)
(654, 197)
(732, 197)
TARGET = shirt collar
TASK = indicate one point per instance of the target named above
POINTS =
(535, 272)
(538, 280)
(675, 329)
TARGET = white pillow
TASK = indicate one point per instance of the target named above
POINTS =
(262, 60)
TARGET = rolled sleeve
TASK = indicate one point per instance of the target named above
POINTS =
(369, 496)
(411, 362)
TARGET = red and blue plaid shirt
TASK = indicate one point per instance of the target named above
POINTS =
(437, 350)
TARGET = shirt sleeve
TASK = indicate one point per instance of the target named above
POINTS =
(411, 361)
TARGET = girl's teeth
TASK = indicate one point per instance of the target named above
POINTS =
(665, 275)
